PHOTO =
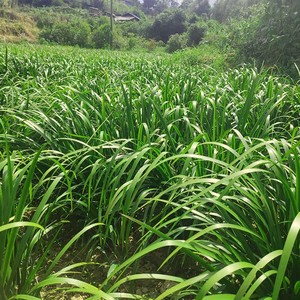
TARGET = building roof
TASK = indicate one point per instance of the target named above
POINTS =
(124, 17)
(127, 17)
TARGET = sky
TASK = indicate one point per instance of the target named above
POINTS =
(211, 2)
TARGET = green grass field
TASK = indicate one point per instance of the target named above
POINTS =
(144, 157)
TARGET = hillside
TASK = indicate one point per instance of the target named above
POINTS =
(16, 26)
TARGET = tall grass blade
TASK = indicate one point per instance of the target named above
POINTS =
(286, 255)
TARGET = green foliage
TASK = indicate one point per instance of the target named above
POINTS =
(203, 55)
(252, 30)
(239, 34)
(267, 33)
(195, 167)
(200, 8)
(121, 7)
(224, 10)
(83, 33)
(277, 37)
(24, 196)
(176, 42)
(101, 36)
(138, 28)
(195, 34)
(75, 32)
(119, 40)
(167, 23)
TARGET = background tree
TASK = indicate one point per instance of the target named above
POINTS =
(199, 7)
(3, 3)
(267, 32)
(195, 34)
(167, 23)
(148, 4)
(8, 3)
(202, 7)
(223, 10)
(278, 36)
(101, 36)
(98, 4)
(176, 42)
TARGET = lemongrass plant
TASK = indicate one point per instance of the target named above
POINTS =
(199, 165)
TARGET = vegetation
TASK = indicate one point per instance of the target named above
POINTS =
(102, 152)
(244, 31)
(15, 27)
(167, 170)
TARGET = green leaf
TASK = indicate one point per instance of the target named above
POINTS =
(20, 224)
(24, 297)
(297, 287)
(220, 297)
(252, 274)
(287, 250)
(180, 286)
(68, 245)
(83, 286)
(216, 277)
(111, 269)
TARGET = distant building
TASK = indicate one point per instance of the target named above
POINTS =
(106, 13)
(126, 17)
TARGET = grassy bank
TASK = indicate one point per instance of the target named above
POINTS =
(17, 27)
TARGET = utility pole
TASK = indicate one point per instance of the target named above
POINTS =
(111, 24)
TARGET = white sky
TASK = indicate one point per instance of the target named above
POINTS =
(211, 2)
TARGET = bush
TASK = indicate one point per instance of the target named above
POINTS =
(101, 36)
(62, 33)
(140, 28)
(195, 34)
(176, 42)
(151, 45)
(74, 32)
(82, 35)
(203, 55)
(135, 41)
(276, 39)
(166, 24)
(267, 33)
(119, 41)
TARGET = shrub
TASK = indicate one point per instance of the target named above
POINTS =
(151, 45)
(139, 28)
(101, 36)
(63, 33)
(75, 32)
(203, 55)
(195, 34)
(83, 32)
(135, 41)
(119, 41)
(167, 23)
(176, 42)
